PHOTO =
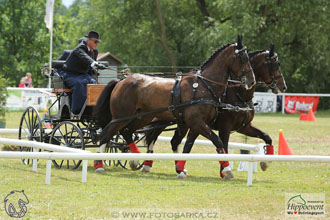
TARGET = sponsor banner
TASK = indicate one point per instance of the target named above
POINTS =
(21, 98)
(265, 102)
(302, 205)
(298, 104)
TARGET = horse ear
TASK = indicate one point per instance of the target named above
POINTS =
(271, 50)
(239, 42)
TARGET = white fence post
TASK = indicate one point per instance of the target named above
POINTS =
(84, 171)
(48, 171)
(35, 161)
(250, 173)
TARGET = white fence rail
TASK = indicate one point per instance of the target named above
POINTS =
(39, 145)
(75, 154)
(251, 147)
(143, 156)
(254, 148)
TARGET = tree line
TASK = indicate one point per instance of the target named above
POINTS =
(171, 33)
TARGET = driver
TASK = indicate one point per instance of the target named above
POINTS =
(79, 68)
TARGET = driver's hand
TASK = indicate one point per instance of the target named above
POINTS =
(101, 66)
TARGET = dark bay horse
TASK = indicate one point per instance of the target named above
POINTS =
(266, 68)
(135, 101)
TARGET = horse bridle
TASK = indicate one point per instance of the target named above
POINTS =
(273, 66)
(243, 57)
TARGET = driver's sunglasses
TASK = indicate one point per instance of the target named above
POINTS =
(96, 41)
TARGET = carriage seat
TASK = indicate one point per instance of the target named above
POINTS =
(59, 85)
(58, 64)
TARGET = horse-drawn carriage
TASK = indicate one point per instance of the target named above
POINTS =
(61, 127)
(196, 101)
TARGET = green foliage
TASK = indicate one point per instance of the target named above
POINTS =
(22, 39)
(131, 31)
(25, 40)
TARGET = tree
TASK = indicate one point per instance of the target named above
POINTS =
(24, 40)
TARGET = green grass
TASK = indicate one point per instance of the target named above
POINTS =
(119, 189)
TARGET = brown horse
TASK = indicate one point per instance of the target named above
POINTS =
(135, 101)
(266, 68)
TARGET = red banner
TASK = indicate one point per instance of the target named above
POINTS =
(298, 104)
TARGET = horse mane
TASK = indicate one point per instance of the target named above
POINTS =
(215, 53)
(254, 53)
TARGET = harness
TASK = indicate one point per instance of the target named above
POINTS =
(176, 104)
(272, 66)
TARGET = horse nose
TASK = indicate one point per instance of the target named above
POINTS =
(282, 87)
(249, 85)
(253, 83)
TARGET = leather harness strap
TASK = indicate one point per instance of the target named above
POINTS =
(176, 103)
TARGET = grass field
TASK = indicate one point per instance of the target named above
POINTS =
(203, 191)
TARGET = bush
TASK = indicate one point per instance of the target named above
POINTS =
(3, 97)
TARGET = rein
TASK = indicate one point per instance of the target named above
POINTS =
(200, 101)
(238, 83)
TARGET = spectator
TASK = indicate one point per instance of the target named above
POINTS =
(22, 83)
(28, 80)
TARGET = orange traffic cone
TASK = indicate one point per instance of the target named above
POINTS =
(283, 147)
(310, 116)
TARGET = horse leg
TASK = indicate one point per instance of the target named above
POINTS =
(128, 137)
(179, 165)
(177, 138)
(106, 135)
(224, 136)
(203, 129)
(151, 138)
(252, 131)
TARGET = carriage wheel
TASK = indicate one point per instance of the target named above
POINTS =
(118, 144)
(30, 128)
(67, 134)
(110, 148)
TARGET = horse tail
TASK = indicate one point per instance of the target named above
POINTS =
(101, 110)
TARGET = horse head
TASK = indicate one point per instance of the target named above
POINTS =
(240, 66)
(269, 69)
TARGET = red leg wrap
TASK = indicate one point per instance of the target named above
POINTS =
(221, 175)
(180, 165)
(134, 148)
(148, 162)
(224, 163)
(269, 150)
(98, 164)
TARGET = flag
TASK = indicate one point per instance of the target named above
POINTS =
(49, 14)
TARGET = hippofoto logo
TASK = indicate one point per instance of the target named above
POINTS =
(15, 204)
(308, 204)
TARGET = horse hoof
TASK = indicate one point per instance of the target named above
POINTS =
(264, 165)
(145, 169)
(226, 173)
(100, 170)
(182, 175)
(134, 164)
